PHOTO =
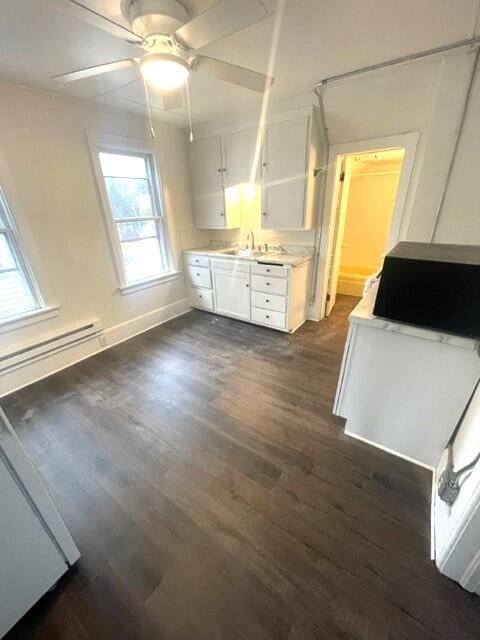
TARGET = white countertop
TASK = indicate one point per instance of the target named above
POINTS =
(279, 258)
(363, 314)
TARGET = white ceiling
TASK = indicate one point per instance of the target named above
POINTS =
(319, 38)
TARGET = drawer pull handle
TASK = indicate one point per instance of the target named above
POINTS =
(267, 300)
(268, 270)
(197, 274)
(247, 285)
(200, 296)
(267, 316)
(268, 284)
(197, 260)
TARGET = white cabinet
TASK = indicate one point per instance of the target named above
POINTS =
(274, 295)
(206, 162)
(283, 204)
(231, 290)
(290, 148)
(210, 209)
(239, 156)
(285, 149)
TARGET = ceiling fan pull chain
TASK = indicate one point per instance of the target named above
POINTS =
(149, 110)
(189, 110)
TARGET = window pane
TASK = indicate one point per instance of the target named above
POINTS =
(142, 259)
(129, 197)
(7, 261)
(15, 295)
(136, 230)
(123, 166)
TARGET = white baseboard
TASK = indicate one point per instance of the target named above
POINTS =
(387, 450)
(50, 364)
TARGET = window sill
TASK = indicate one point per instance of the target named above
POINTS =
(31, 317)
(151, 282)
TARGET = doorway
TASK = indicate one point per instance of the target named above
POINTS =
(365, 204)
(397, 153)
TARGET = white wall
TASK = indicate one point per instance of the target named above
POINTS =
(425, 96)
(47, 174)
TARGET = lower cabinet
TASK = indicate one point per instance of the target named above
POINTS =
(273, 295)
(231, 291)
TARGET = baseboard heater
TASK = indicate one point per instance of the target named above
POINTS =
(48, 346)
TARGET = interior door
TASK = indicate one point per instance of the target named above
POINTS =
(206, 162)
(35, 546)
(210, 211)
(239, 155)
(283, 205)
(341, 206)
(232, 293)
(285, 149)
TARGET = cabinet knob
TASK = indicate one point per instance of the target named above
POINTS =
(267, 300)
(267, 316)
(200, 296)
(264, 164)
(267, 270)
(222, 214)
(267, 283)
(264, 213)
(197, 274)
(247, 285)
(219, 170)
(197, 260)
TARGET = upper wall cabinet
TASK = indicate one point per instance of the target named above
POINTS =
(206, 162)
(239, 155)
(285, 149)
(288, 159)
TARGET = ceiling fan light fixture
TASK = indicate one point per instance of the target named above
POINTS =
(165, 71)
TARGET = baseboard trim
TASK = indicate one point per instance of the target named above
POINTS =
(387, 450)
(51, 364)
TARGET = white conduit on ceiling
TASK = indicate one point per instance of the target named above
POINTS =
(322, 172)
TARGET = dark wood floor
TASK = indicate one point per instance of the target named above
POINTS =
(213, 496)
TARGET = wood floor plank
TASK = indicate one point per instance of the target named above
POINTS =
(214, 496)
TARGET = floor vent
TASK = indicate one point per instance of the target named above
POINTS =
(48, 346)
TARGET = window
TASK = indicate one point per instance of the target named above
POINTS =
(18, 292)
(133, 197)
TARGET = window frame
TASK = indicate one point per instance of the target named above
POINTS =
(99, 143)
(9, 229)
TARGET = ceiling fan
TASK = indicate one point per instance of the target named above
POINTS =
(170, 40)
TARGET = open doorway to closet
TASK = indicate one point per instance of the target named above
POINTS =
(366, 198)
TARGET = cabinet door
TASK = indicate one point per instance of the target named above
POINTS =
(239, 155)
(206, 162)
(232, 293)
(285, 149)
(283, 205)
(210, 208)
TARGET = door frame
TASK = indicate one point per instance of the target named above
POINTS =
(397, 232)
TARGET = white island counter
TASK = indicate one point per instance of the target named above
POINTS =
(402, 388)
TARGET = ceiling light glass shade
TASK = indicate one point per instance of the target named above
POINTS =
(164, 71)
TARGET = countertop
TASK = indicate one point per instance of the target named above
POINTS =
(279, 258)
(363, 314)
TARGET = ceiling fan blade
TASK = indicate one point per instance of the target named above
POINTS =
(97, 70)
(81, 11)
(220, 20)
(235, 75)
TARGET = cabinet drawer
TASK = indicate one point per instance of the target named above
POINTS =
(199, 276)
(269, 285)
(268, 269)
(201, 298)
(199, 261)
(272, 318)
(231, 265)
(266, 301)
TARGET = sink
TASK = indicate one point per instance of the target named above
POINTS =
(249, 253)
